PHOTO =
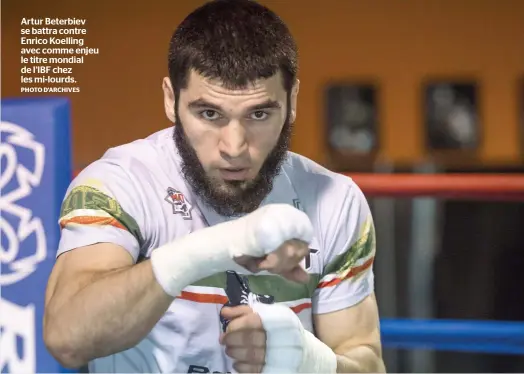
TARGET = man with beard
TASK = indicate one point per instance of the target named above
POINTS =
(208, 246)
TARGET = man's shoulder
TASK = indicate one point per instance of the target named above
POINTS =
(133, 164)
(306, 174)
(142, 150)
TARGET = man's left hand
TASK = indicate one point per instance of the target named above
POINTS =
(244, 339)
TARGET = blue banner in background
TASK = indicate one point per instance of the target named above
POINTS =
(35, 173)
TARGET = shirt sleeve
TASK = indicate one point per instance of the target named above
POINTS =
(347, 276)
(102, 205)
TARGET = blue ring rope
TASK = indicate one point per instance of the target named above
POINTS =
(496, 337)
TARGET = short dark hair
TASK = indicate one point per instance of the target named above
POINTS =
(234, 41)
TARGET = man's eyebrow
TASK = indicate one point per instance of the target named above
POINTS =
(268, 104)
(203, 104)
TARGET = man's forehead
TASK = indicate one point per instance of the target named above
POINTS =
(270, 88)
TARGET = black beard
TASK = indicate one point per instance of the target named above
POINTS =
(240, 197)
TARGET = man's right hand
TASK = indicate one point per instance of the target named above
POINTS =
(282, 234)
(284, 261)
(273, 238)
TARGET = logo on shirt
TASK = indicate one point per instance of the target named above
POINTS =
(296, 204)
(180, 204)
(309, 257)
(239, 293)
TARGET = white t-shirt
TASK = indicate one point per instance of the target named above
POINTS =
(135, 196)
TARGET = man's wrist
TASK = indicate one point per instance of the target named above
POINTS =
(317, 356)
(360, 359)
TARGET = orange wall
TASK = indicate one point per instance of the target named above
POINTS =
(395, 43)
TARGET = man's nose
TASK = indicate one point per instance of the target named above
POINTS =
(233, 140)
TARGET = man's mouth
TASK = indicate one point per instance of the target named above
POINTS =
(234, 173)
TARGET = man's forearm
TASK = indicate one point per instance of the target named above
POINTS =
(111, 313)
(362, 359)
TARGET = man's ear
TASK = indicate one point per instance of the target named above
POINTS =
(294, 96)
(169, 99)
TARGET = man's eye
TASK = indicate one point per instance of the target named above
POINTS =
(210, 115)
(259, 115)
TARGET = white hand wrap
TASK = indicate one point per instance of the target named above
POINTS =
(289, 347)
(212, 250)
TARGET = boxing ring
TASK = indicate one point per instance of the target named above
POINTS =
(495, 337)
(36, 170)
